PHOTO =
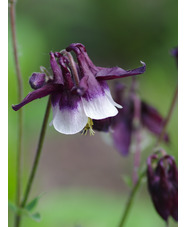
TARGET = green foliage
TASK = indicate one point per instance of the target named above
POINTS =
(25, 212)
(32, 204)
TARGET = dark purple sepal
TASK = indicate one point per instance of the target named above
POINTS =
(39, 93)
(102, 125)
(152, 120)
(58, 76)
(122, 134)
(101, 73)
(119, 89)
(37, 80)
(163, 185)
(116, 72)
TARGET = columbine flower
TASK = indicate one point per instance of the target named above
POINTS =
(79, 92)
(163, 185)
(122, 126)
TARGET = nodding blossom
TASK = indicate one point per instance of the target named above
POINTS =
(162, 177)
(122, 126)
(78, 90)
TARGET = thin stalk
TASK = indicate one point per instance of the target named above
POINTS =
(131, 198)
(137, 127)
(20, 113)
(137, 135)
(169, 114)
(136, 186)
(37, 156)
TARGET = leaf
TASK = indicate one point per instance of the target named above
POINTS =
(30, 206)
(24, 211)
(35, 217)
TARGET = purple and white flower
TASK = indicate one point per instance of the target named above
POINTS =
(79, 92)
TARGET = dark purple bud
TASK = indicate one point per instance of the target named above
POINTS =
(37, 80)
(163, 185)
(102, 125)
(152, 120)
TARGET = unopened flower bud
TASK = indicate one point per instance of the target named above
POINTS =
(37, 80)
(163, 185)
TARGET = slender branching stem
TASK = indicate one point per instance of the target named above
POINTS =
(131, 198)
(169, 114)
(143, 173)
(20, 113)
(37, 158)
(38, 154)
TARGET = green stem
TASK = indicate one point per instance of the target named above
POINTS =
(169, 114)
(20, 113)
(37, 158)
(38, 154)
(131, 198)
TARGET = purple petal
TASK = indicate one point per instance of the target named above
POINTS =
(152, 119)
(39, 93)
(116, 72)
(122, 133)
(119, 89)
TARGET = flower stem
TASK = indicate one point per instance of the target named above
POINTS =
(38, 154)
(169, 114)
(136, 186)
(20, 113)
(131, 198)
(36, 160)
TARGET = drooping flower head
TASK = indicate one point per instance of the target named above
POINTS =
(162, 176)
(122, 126)
(79, 92)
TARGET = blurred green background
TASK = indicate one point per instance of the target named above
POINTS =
(82, 176)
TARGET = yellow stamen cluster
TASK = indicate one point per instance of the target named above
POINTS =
(88, 127)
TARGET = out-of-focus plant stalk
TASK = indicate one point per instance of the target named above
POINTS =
(137, 127)
(169, 114)
(131, 198)
(143, 173)
(20, 113)
(38, 154)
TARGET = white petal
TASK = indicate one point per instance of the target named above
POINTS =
(108, 94)
(69, 121)
(99, 107)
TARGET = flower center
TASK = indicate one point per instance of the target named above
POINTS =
(88, 127)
